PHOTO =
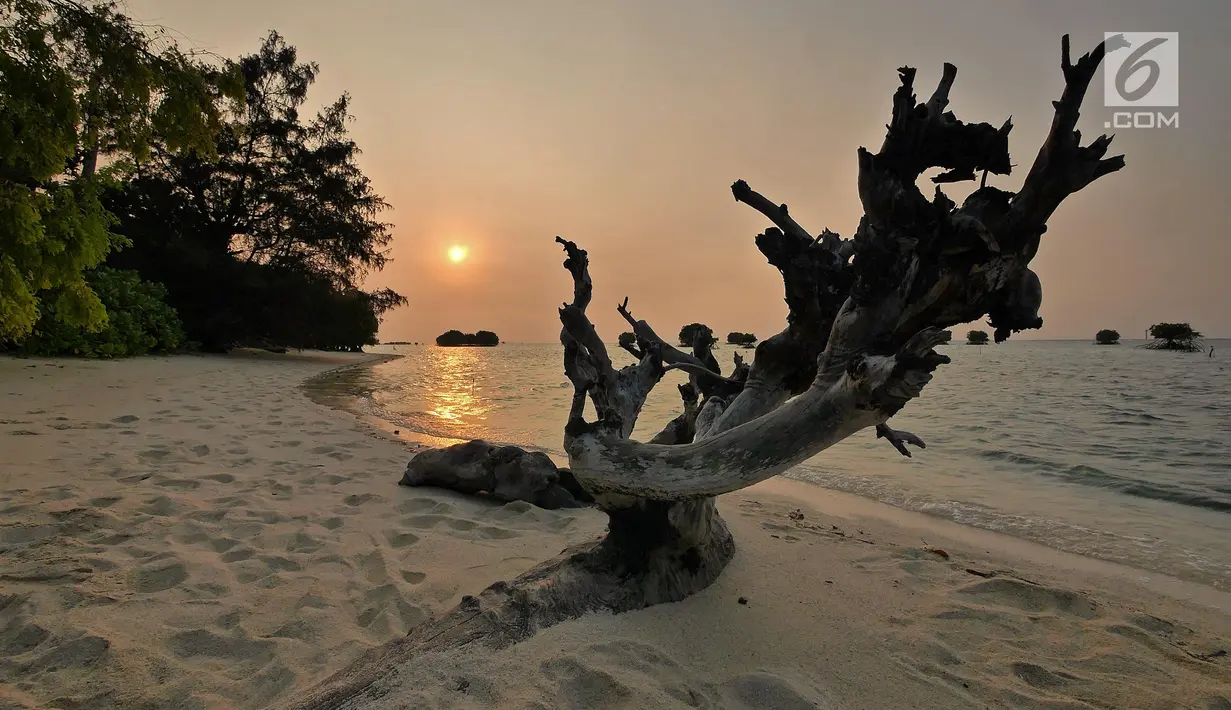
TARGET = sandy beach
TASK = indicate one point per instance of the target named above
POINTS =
(194, 532)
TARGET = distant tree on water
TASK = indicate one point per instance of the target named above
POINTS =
(1107, 337)
(1174, 336)
(456, 338)
(688, 334)
(745, 339)
(976, 337)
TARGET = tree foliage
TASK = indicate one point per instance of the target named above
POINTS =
(688, 334)
(138, 321)
(977, 337)
(80, 86)
(737, 338)
(271, 238)
(1107, 337)
(1175, 336)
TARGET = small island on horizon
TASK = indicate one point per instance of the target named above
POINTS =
(456, 338)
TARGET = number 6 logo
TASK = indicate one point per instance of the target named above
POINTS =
(1156, 54)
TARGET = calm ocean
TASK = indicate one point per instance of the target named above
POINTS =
(1114, 452)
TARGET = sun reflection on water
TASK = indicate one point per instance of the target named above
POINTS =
(454, 379)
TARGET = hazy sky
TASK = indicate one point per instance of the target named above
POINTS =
(621, 125)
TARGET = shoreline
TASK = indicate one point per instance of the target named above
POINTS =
(194, 531)
(352, 403)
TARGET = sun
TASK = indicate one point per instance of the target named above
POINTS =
(458, 253)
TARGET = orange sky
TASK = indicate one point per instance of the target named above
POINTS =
(621, 124)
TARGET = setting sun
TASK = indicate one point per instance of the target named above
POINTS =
(457, 253)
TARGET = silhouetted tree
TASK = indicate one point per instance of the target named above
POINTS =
(976, 337)
(737, 338)
(284, 205)
(1107, 337)
(456, 338)
(689, 333)
(1175, 336)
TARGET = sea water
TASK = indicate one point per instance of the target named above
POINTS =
(1115, 452)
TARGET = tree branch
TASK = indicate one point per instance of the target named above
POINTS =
(1062, 166)
(776, 213)
(899, 439)
(670, 354)
(872, 390)
(681, 429)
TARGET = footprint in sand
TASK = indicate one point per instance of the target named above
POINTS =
(178, 484)
(413, 577)
(220, 477)
(208, 516)
(360, 498)
(384, 609)
(156, 453)
(424, 505)
(766, 690)
(427, 522)
(126, 419)
(399, 540)
(204, 643)
(210, 590)
(77, 650)
(222, 544)
(303, 542)
(280, 564)
(238, 555)
(1019, 594)
(373, 567)
(269, 517)
(162, 506)
(22, 638)
(1039, 677)
(582, 686)
(157, 577)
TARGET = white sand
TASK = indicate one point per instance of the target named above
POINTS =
(192, 532)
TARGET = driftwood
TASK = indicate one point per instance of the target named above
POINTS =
(506, 473)
(865, 316)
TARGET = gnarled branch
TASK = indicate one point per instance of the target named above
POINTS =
(864, 317)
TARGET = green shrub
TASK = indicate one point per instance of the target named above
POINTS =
(138, 320)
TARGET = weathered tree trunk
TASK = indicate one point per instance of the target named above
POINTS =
(865, 315)
(653, 553)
